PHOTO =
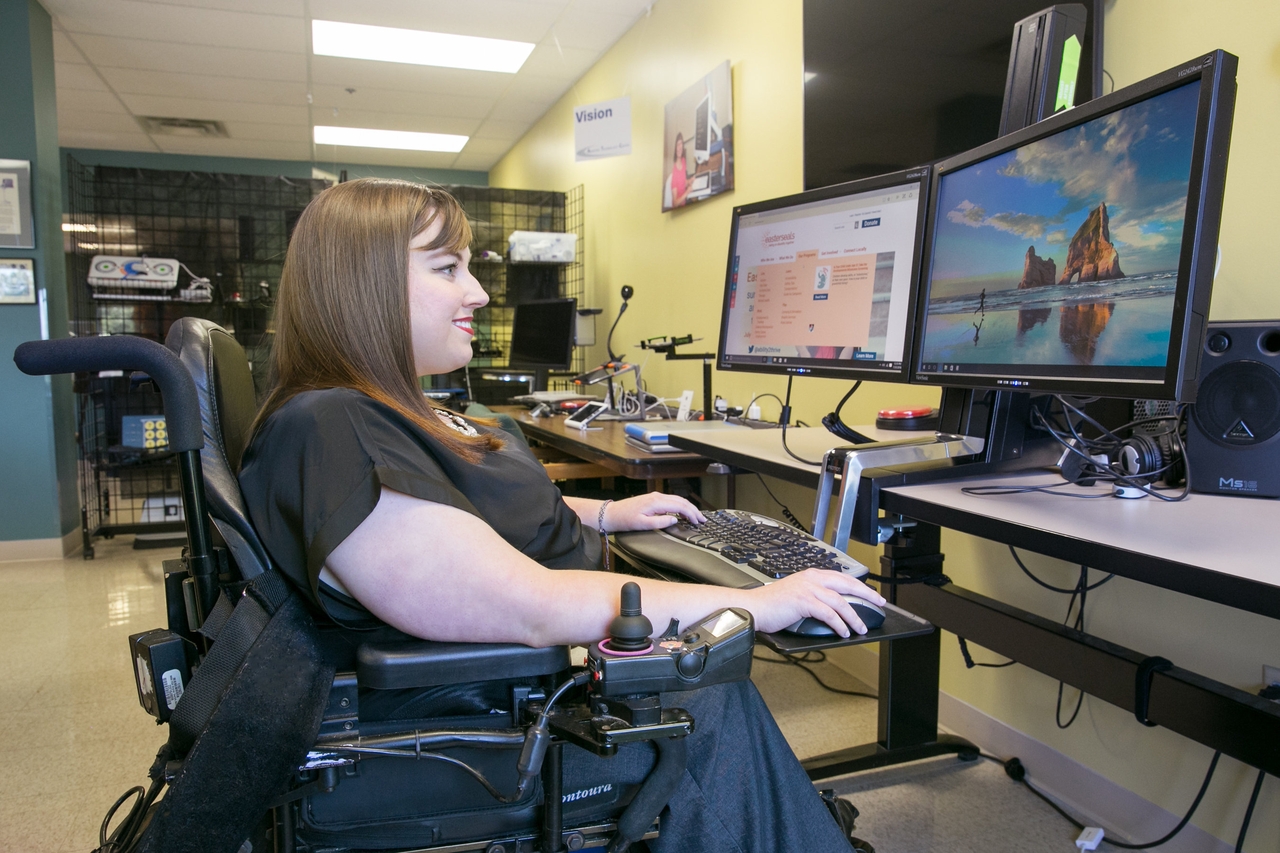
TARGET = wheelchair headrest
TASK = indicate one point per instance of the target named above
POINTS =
(224, 386)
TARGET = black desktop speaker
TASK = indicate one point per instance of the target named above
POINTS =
(1233, 434)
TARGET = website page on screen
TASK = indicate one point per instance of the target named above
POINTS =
(824, 284)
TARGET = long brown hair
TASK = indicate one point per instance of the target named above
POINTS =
(342, 312)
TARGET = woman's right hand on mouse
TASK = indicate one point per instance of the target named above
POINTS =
(812, 592)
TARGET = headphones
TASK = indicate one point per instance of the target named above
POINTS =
(1154, 453)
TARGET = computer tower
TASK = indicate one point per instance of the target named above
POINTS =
(1233, 434)
(1044, 63)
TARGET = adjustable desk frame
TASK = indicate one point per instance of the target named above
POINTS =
(1222, 717)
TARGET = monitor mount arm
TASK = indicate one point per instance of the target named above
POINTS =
(667, 346)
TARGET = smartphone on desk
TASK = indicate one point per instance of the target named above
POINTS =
(586, 414)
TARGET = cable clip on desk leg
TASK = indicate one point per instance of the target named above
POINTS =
(1142, 686)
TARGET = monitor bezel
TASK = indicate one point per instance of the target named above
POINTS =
(1216, 72)
(918, 174)
(567, 363)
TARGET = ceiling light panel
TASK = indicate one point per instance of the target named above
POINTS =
(363, 137)
(417, 47)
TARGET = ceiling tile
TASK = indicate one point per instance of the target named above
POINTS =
(569, 63)
(476, 162)
(487, 147)
(234, 148)
(152, 105)
(498, 128)
(292, 8)
(591, 29)
(523, 108)
(359, 73)
(111, 51)
(86, 99)
(83, 120)
(180, 24)
(392, 101)
(105, 139)
(263, 132)
(131, 81)
(72, 76)
(501, 19)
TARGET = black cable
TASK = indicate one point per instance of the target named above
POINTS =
(1081, 590)
(1017, 772)
(1107, 74)
(1248, 813)
(786, 512)
(836, 425)
(970, 663)
(783, 419)
(801, 660)
(1073, 591)
(761, 397)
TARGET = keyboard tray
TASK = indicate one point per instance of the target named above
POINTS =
(658, 556)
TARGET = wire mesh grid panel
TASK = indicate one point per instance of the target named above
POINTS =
(145, 247)
(494, 213)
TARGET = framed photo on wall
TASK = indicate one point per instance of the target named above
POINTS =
(698, 141)
(17, 227)
(17, 281)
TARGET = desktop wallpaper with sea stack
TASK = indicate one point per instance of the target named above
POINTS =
(1065, 251)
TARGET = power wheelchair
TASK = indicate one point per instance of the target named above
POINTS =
(267, 748)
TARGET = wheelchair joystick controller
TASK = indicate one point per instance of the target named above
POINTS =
(630, 630)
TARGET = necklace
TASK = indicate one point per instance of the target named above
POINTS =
(457, 423)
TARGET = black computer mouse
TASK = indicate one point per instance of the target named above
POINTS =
(871, 616)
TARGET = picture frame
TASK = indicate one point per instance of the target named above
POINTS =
(17, 224)
(17, 281)
(698, 141)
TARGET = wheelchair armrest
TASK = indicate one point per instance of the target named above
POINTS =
(424, 663)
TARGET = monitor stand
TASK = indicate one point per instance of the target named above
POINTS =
(979, 432)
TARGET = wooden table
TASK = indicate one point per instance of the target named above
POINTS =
(607, 449)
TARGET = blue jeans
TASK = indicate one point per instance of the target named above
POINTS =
(743, 791)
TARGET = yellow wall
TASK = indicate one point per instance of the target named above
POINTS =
(676, 263)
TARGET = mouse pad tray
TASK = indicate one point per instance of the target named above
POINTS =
(898, 625)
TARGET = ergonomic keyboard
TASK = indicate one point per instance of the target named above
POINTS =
(735, 548)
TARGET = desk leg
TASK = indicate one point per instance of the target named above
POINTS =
(908, 722)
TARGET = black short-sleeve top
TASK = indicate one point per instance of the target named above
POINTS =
(315, 469)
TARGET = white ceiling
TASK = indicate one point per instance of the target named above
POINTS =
(247, 64)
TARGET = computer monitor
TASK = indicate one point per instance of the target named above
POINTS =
(542, 335)
(1076, 255)
(824, 282)
(706, 131)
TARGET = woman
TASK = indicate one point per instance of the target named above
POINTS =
(678, 181)
(385, 509)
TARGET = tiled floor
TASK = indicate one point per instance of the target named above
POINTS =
(79, 739)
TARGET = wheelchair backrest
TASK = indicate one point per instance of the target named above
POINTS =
(224, 385)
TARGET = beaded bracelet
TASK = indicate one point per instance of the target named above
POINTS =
(605, 536)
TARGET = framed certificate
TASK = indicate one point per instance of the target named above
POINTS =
(17, 281)
(17, 228)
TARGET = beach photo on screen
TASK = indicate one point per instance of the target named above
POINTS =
(1065, 251)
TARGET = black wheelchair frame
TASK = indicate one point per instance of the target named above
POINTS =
(621, 703)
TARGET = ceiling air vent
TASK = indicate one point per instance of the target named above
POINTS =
(197, 127)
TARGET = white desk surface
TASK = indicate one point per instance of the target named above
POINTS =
(765, 445)
(1219, 546)
(1234, 536)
